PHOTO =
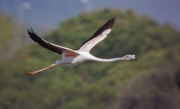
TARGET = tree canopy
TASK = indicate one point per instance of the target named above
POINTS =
(7, 29)
(91, 85)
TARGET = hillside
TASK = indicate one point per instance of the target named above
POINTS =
(91, 85)
(10, 36)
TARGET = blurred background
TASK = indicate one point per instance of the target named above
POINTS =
(148, 29)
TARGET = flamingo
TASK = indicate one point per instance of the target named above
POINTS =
(75, 57)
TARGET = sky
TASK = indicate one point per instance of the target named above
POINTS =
(49, 13)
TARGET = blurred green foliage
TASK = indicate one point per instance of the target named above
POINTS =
(154, 90)
(91, 85)
(7, 31)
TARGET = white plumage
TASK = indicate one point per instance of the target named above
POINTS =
(75, 57)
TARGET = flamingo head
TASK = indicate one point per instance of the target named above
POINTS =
(130, 57)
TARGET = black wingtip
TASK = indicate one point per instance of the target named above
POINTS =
(33, 35)
(31, 32)
(113, 18)
(110, 23)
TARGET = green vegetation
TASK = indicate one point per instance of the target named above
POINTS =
(11, 36)
(154, 90)
(93, 85)
(7, 29)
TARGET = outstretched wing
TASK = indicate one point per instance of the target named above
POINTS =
(98, 36)
(50, 46)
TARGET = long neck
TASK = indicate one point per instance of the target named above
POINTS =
(108, 60)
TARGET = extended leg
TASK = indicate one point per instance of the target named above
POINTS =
(37, 71)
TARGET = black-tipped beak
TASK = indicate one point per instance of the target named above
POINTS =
(135, 59)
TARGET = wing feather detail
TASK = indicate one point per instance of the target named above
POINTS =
(98, 36)
(50, 46)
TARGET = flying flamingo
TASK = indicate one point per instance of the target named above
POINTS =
(74, 57)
